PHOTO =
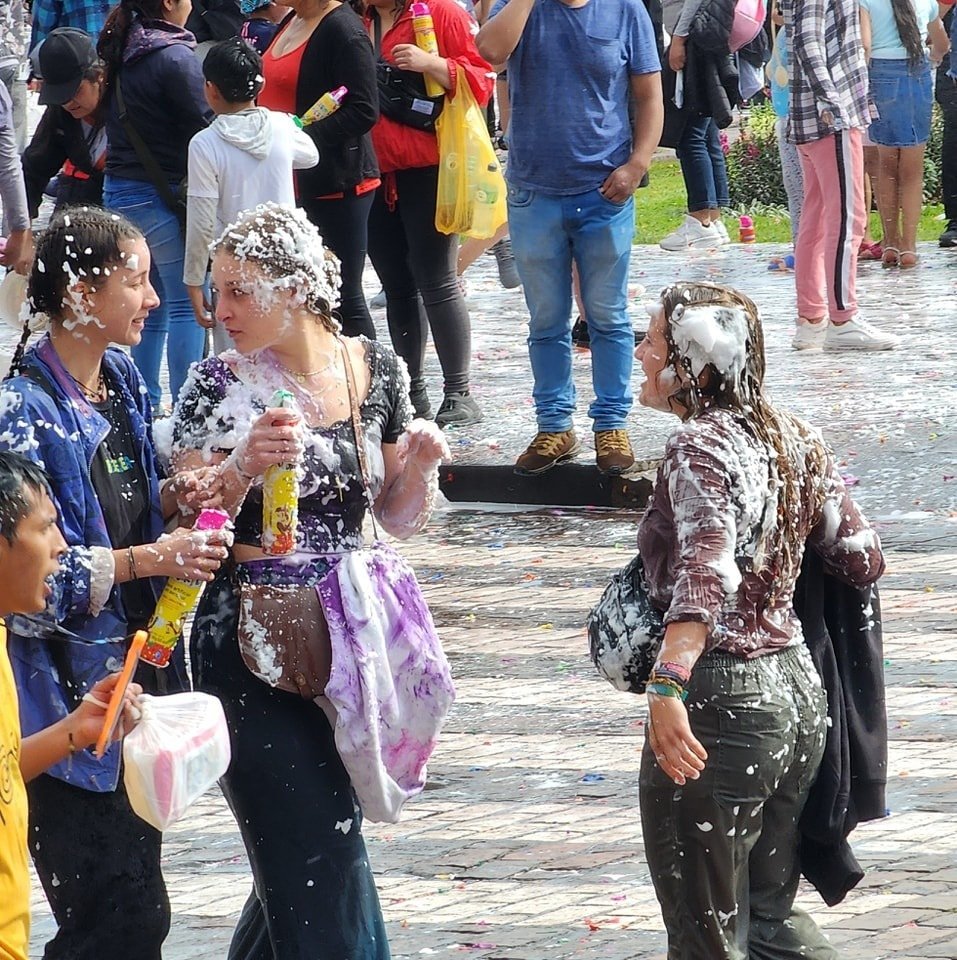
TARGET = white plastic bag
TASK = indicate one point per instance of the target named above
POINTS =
(179, 749)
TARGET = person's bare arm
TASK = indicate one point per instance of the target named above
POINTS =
(938, 40)
(649, 119)
(500, 35)
(678, 751)
(78, 730)
(867, 33)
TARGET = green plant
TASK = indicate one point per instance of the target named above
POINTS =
(754, 163)
(932, 185)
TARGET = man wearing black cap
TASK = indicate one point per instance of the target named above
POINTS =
(71, 134)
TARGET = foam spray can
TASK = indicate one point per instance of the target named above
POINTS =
(176, 602)
(280, 496)
(425, 40)
(327, 104)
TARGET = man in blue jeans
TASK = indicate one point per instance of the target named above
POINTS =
(574, 164)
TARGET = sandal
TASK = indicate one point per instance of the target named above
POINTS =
(870, 251)
(890, 257)
(911, 262)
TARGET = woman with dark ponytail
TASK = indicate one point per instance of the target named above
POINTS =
(896, 35)
(150, 60)
(77, 408)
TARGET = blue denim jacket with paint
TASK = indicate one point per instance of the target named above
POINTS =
(44, 416)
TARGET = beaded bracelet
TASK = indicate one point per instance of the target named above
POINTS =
(658, 677)
(667, 690)
(676, 671)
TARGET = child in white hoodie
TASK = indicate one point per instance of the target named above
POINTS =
(245, 157)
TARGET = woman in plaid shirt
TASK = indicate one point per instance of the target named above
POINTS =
(828, 115)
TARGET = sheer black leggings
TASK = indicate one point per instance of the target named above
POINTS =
(416, 265)
(344, 227)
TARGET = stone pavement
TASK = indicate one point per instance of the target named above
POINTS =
(527, 845)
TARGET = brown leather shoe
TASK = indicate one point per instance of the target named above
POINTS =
(613, 452)
(545, 451)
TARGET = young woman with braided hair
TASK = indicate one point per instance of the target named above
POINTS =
(737, 711)
(896, 36)
(78, 408)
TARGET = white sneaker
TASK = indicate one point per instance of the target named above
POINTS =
(690, 235)
(858, 334)
(808, 335)
(378, 301)
(723, 236)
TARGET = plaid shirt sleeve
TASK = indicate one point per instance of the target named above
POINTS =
(828, 72)
(807, 44)
(86, 15)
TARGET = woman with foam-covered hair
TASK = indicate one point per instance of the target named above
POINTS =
(737, 711)
(268, 628)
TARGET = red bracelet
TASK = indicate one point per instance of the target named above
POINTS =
(669, 668)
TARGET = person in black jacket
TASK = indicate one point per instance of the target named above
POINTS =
(150, 59)
(71, 136)
(322, 45)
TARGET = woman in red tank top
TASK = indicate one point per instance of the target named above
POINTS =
(322, 45)
(415, 262)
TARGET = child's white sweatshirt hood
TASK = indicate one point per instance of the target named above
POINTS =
(250, 130)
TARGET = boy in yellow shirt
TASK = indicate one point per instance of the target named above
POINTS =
(30, 547)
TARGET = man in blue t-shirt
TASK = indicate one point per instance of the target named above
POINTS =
(575, 67)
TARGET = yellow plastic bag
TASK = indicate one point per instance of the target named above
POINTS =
(471, 196)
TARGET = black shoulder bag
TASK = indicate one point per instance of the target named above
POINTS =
(176, 202)
(402, 94)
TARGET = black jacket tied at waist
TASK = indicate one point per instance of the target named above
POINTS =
(842, 629)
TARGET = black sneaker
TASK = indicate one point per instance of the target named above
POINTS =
(580, 335)
(949, 237)
(458, 410)
(419, 395)
(507, 271)
(582, 338)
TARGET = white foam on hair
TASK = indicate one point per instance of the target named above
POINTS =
(270, 231)
(711, 333)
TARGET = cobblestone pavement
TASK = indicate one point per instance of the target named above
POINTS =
(527, 844)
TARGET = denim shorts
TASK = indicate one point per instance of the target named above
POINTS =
(903, 95)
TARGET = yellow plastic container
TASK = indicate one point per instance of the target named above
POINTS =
(325, 106)
(176, 602)
(280, 497)
(425, 39)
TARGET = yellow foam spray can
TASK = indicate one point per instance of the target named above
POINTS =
(280, 496)
(424, 28)
(176, 602)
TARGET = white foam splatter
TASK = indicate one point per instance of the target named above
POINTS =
(711, 334)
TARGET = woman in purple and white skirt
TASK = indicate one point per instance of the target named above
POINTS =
(298, 786)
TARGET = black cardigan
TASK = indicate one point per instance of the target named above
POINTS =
(339, 53)
(842, 629)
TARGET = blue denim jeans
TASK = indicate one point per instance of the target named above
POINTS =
(547, 233)
(703, 166)
(139, 201)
